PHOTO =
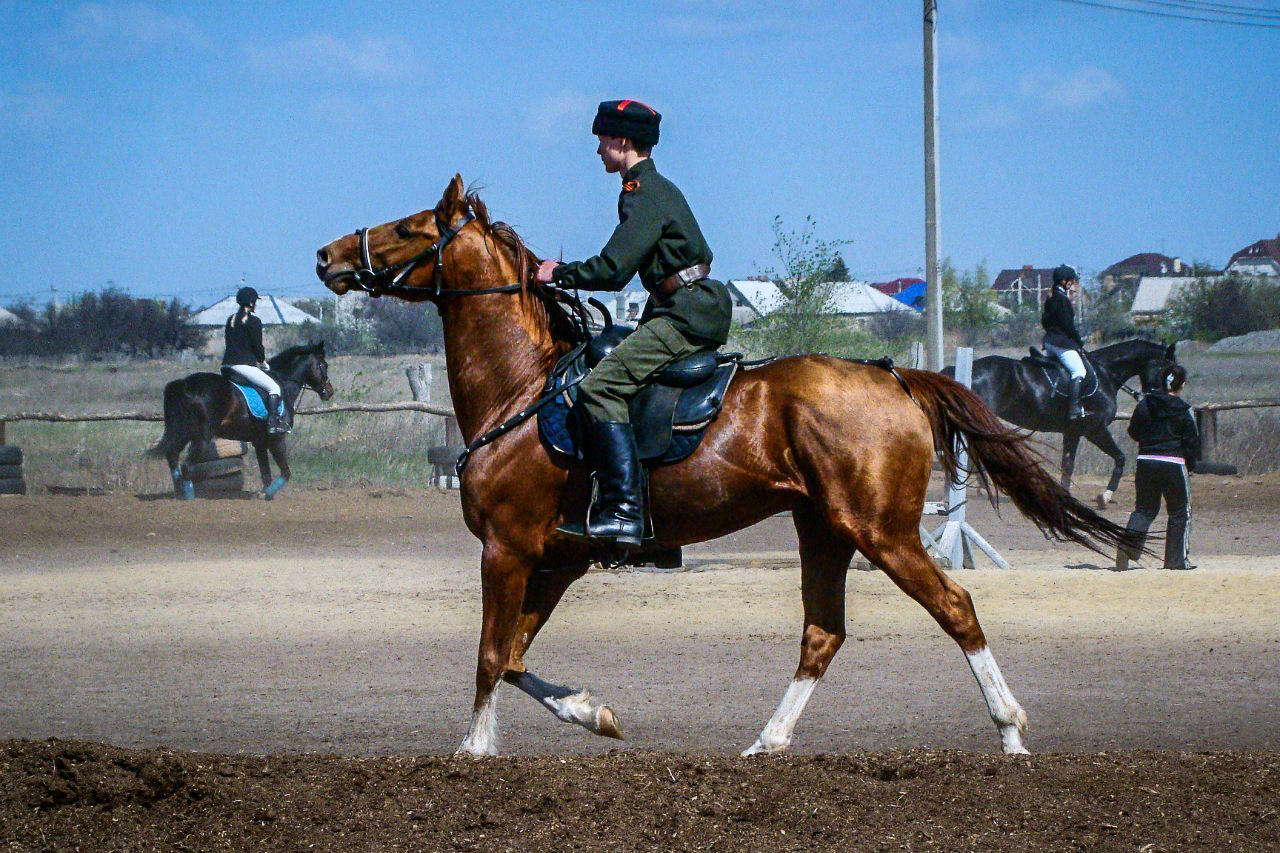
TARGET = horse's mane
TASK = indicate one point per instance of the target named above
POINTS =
(550, 307)
(286, 358)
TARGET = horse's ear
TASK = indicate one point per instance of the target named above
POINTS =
(1172, 352)
(453, 195)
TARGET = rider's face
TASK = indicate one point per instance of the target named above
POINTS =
(613, 151)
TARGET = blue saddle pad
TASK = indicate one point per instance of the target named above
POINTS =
(253, 398)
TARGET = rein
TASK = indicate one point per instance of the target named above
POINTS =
(386, 281)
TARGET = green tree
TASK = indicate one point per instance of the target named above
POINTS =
(968, 303)
(802, 319)
(838, 271)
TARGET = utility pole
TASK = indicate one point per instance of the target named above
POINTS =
(933, 283)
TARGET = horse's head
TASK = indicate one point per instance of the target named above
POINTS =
(307, 366)
(1156, 367)
(402, 256)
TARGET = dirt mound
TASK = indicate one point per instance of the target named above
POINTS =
(74, 795)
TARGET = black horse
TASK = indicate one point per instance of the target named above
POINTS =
(1032, 394)
(204, 406)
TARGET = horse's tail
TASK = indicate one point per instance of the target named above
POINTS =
(179, 422)
(999, 457)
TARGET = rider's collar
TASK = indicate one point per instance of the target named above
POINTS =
(645, 165)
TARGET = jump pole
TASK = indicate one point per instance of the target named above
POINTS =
(955, 538)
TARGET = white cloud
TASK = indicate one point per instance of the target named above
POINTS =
(552, 116)
(122, 29)
(1053, 89)
(321, 54)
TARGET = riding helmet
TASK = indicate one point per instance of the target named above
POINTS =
(1064, 274)
(630, 119)
(246, 296)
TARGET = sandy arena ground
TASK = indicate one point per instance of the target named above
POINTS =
(346, 622)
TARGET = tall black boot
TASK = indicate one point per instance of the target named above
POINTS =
(1075, 411)
(617, 515)
(277, 420)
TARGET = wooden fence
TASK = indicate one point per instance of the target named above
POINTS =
(453, 435)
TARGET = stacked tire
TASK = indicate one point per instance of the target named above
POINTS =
(12, 482)
(219, 471)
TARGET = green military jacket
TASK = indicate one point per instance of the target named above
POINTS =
(656, 237)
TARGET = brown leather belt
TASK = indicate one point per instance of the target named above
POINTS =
(669, 285)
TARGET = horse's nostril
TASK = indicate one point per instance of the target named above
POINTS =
(322, 258)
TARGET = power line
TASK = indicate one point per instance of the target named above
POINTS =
(1215, 8)
(1109, 7)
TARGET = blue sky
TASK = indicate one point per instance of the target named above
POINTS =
(171, 148)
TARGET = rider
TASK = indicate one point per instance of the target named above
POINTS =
(246, 358)
(1061, 339)
(687, 312)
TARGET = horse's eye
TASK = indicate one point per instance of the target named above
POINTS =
(403, 232)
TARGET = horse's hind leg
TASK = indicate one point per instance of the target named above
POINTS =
(824, 562)
(904, 560)
(572, 705)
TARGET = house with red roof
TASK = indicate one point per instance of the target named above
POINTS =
(1135, 267)
(1260, 258)
(1027, 285)
(893, 288)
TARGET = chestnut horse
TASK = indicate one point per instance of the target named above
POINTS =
(841, 445)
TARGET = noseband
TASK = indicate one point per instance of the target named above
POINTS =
(388, 280)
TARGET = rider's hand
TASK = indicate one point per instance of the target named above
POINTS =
(546, 271)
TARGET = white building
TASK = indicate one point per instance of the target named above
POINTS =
(854, 299)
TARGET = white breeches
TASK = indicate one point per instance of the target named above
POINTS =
(1070, 359)
(255, 376)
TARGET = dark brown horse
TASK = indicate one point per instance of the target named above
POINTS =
(840, 444)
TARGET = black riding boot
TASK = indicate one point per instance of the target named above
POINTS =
(277, 421)
(617, 515)
(1075, 411)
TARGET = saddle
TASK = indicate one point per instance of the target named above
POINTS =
(669, 416)
(255, 399)
(1056, 372)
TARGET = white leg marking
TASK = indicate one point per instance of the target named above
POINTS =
(1008, 715)
(482, 737)
(776, 735)
(1107, 495)
(572, 706)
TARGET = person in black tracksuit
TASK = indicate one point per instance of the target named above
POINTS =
(246, 360)
(1061, 340)
(1168, 446)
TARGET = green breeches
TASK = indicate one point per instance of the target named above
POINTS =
(605, 395)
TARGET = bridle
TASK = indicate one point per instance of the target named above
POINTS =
(388, 280)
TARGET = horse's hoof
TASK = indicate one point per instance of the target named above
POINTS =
(608, 724)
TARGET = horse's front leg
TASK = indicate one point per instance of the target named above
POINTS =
(572, 705)
(1101, 438)
(1070, 444)
(503, 579)
(264, 462)
(275, 443)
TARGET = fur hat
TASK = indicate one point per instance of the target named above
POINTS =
(630, 119)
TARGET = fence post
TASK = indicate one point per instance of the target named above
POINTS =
(419, 381)
(1207, 424)
(1, 431)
